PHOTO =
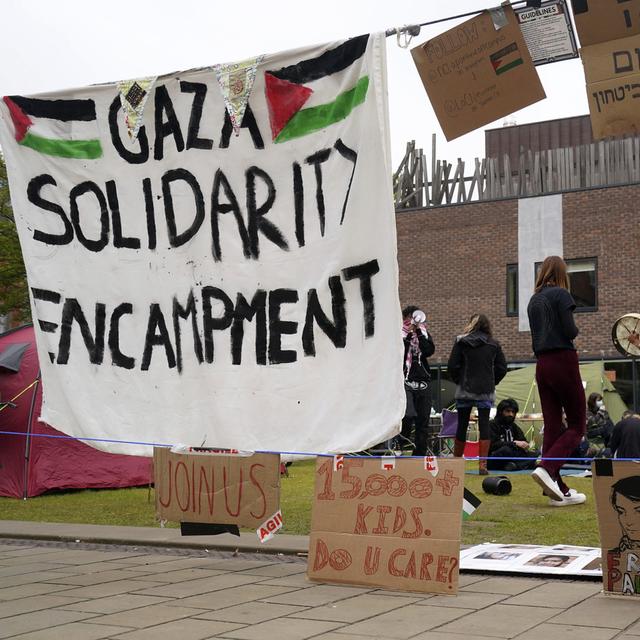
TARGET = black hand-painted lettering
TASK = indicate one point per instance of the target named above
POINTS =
(184, 312)
(150, 213)
(119, 241)
(316, 160)
(278, 327)
(178, 239)
(119, 359)
(157, 336)
(245, 311)
(352, 156)
(142, 155)
(72, 312)
(248, 122)
(298, 203)
(168, 127)
(364, 272)
(33, 195)
(74, 211)
(199, 90)
(336, 331)
(211, 324)
(255, 214)
(220, 182)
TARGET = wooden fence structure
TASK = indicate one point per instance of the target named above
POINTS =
(603, 163)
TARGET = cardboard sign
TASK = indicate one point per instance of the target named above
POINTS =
(616, 485)
(396, 529)
(612, 72)
(220, 489)
(602, 20)
(476, 73)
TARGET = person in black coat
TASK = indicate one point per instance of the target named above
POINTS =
(418, 346)
(476, 365)
(625, 438)
(508, 440)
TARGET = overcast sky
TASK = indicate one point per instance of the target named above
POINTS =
(49, 45)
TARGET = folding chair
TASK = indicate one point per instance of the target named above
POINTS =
(447, 432)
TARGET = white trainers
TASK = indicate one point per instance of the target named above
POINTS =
(549, 486)
(572, 497)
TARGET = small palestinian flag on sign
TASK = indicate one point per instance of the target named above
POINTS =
(47, 126)
(506, 59)
(288, 89)
(470, 503)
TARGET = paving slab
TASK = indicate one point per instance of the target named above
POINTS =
(317, 595)
(28, 590)
(22, 567)
(35, 603)
(601, 611)
(229, 597)
(298, 580)
(405, 622)
(109, 588)
(36, 620)
(633, 630)
(557, 594)
(149, 616)
(466, 600)
(113, 604)
(87, 579)
(172, 577)
(197, 587)
(73, 631)
(568, 632)
(440, 635)
(509, 586)
(282, 629)
(279, 569)
(354, 609)
(187, 629)
(501, 621)
(250, 612)
(30, 578)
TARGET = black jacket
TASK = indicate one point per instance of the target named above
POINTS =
(551, 321)
(419, 370)
(625, 439)
(477, 363)
(502, 434)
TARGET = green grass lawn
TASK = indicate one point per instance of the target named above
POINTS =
(521, 517)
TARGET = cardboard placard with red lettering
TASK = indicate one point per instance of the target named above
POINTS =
(612, 72)
(242, 490)
(395, 529)
(616, 485)
(477, 72)
(602, 20)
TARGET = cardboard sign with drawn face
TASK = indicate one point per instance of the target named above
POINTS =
(616, 485)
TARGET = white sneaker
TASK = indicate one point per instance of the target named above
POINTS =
(549, 486)
(572, 497)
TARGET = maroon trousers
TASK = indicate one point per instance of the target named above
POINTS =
(560, 389)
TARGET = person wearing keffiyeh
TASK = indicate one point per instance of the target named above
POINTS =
(418, 346)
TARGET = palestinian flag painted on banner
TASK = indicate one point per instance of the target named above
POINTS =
(505, 59)
(470, 503)
(46, 126)
(289, 88)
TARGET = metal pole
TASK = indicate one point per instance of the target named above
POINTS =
(27, 445)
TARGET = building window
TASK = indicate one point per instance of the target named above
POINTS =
(512, 289)
(583, 282)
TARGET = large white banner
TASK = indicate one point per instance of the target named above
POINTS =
(212, 254)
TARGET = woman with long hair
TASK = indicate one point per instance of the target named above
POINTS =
(560, 387)
(476, 365)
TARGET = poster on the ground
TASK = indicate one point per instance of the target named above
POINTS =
(219, 489)
(560, 559)
(477, 72)
(211, 254)
(616, 485)
(394, 525)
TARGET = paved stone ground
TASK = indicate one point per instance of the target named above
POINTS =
(68, 591)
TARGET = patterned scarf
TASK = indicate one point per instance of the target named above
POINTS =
(414, 346)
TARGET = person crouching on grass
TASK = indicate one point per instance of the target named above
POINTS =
(553, 330)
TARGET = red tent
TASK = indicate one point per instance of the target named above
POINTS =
(30, 462)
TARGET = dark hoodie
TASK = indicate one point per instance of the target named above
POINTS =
(476, 365)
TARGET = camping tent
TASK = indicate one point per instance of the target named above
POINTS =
(520, 384)
(34, 457)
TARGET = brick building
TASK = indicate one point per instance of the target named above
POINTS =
(456, 260)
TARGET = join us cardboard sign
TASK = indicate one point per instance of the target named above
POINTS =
(397, 528)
